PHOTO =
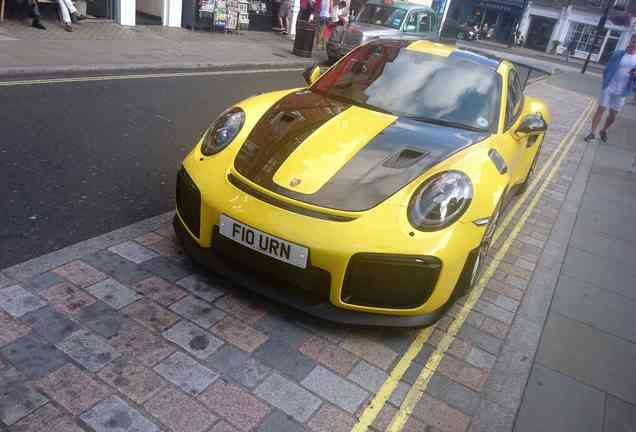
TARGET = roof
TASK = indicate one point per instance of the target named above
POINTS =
(402, 5)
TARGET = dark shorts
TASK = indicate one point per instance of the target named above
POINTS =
(283, 10)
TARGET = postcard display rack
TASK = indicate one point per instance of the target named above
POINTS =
(227, 16)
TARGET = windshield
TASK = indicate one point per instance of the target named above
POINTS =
(389, 77)
(382, 16)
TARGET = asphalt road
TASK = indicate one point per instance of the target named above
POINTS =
(83, 158)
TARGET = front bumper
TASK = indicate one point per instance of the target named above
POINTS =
(314, 301)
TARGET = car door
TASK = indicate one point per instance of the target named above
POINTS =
(514, 147)
(420, 24)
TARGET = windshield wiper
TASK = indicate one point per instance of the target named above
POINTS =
(448, 123)
(352, 101)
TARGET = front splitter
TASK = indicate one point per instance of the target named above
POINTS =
(260, 284)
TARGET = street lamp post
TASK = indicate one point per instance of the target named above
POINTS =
(597, 34)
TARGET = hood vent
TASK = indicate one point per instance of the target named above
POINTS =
(405, 158)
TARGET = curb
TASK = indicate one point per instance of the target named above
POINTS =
(24, 71)
(516, 360)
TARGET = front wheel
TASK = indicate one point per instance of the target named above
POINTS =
(473, 268)
(523, 187)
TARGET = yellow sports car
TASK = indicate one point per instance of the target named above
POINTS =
(370, 196)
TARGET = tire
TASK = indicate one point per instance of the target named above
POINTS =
(474, 263)
(523, 187)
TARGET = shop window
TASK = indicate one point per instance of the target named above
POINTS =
(584, 37)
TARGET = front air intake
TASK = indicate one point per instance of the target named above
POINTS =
(188, 202)
(390, 281)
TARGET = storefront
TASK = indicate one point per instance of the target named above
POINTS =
(553, 29)
(501, 17)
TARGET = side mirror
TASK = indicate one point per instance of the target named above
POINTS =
(533, 124)
(311, 74)
(410, 28)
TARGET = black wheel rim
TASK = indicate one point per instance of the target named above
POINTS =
(484, 247)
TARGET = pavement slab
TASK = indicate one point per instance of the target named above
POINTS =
(113, 293)
(159, 290)
(335, 389)
(133, 252)
(186, 373)
(193, 339)
(73, 389)
(288, 396)
(235, 404)
(11, 329)
(51, 325)
(17, 301)
(136, 381)
(179, 412)
(33, 357)
(66, 298)
(198, 311)
(151, 315)
(558, 403)
(137, 341)
(115, 415)
(88, 349)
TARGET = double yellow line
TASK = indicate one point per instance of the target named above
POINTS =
(419, 387)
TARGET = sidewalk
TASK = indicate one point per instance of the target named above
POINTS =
(101, 45)
(553, 60)
(583, 378)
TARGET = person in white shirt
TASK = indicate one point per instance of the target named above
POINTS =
(69, 14)
(619, 81)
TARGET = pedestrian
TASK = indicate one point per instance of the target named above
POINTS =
(619, 81)
(323, 10)
(571, 45)
(69, 14)
(283, 15)
(33, 11)
(306, 10)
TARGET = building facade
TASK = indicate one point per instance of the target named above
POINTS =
(551, 26)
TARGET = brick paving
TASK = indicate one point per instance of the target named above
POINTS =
(134, 337)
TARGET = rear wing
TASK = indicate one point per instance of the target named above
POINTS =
(529, 73)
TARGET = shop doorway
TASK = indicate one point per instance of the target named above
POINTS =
(610, 46)
(149, 12)
(540, 32)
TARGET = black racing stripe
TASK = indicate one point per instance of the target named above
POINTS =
(280, 131)
(278, 203)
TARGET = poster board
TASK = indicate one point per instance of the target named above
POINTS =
(232, 15)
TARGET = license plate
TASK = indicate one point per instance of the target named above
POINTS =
(264, 243)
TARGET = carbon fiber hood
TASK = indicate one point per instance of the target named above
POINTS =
(389, 161)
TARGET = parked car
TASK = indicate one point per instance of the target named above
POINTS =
(371, 196)
(380, 18)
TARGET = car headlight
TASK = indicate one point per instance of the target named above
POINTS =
(440, 201)
(223, 131)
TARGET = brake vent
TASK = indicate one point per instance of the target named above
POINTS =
(405, 158)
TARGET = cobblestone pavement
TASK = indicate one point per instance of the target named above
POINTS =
(124, 333)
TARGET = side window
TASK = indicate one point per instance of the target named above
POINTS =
(426, 22)
(515, 98)
(411, 23)
(419, 22)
